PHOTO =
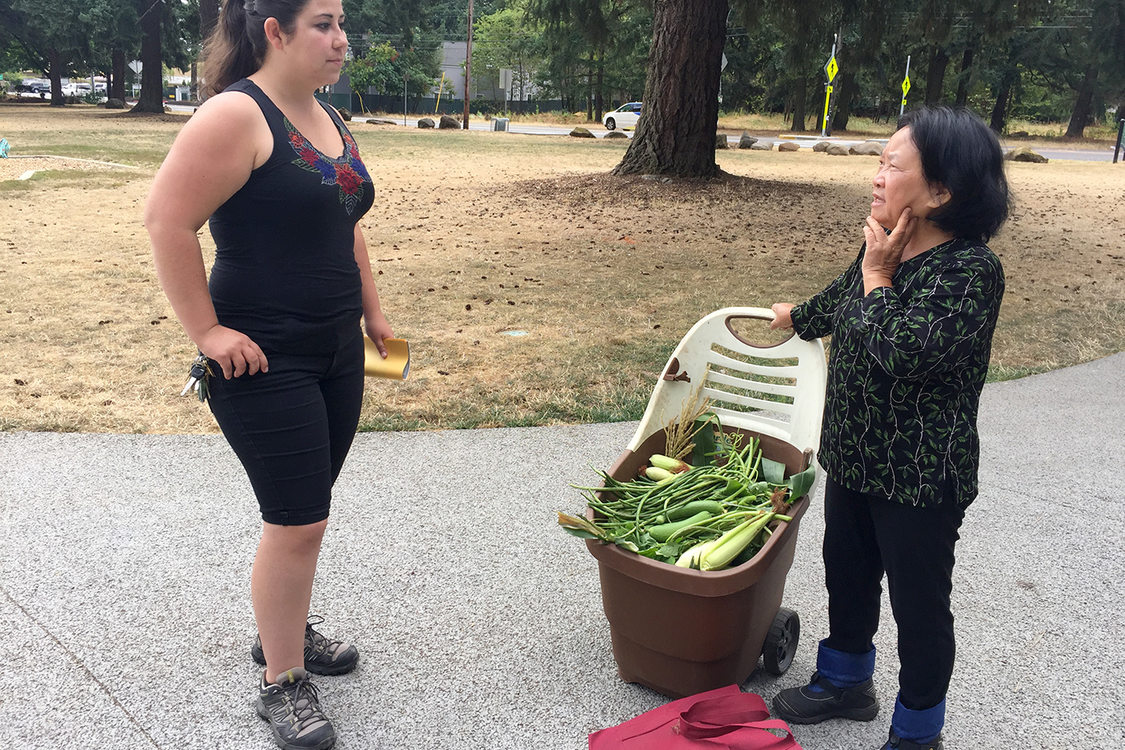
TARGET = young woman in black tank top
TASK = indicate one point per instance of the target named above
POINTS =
(279, 178)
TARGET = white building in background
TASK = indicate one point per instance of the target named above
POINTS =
(453, 66)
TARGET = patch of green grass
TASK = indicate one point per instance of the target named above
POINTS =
(999, 373)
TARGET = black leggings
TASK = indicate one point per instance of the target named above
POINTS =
(867, 535)
(292, 427)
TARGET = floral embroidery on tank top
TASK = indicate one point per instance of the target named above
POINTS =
(347, 172)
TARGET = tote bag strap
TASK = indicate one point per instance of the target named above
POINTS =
(738, 721)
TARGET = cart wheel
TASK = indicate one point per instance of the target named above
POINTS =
(781, 642)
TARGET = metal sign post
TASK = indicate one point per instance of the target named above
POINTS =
(830, 70)
(905, 87)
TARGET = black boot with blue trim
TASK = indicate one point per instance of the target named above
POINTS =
(840, 688)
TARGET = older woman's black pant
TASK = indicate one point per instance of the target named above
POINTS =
(867, 535)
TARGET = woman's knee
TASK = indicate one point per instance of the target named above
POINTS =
(298, 539)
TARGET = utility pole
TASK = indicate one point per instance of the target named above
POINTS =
(468, 64)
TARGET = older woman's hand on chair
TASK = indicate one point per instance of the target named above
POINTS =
(782, 320)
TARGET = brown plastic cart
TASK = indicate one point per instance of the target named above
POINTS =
(680, 631)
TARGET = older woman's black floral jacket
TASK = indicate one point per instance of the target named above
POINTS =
(906, 368)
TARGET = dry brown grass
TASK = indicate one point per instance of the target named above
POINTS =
(477, 234)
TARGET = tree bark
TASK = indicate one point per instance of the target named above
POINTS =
(676, 133)
(965, 77)
(116, 88)
(599, 85)
(208, 17)
(1080, 115)
(800, 97)
(845, 94)
(999, 117)
(152, 74)
(54, 60)
(935, 74)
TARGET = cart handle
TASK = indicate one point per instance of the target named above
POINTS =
(767, 315)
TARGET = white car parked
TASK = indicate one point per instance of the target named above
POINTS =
(624, 117)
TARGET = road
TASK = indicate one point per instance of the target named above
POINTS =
(1105, 154)
(803, 141)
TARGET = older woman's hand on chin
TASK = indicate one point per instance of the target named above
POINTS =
(884, 251)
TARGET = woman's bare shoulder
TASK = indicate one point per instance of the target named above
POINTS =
(229, 108)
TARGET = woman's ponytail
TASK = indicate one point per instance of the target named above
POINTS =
(228, 53)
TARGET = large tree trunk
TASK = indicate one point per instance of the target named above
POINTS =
(999, 118)
(800, 99)
(599, 86)
(208, 17)
(935, 75)
(54, 60)
(152, 74)
(676, 133)
(965, 77)
(844, 95)
(1083, 105)
(116, 88)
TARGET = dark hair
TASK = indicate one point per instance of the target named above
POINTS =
(237, 45)
(960, 152)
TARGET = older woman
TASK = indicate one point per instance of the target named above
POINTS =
(911, 323)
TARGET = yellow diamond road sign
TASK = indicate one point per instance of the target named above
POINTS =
(831, 68)
(905, 85)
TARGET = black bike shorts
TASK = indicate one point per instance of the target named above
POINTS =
(292, 427)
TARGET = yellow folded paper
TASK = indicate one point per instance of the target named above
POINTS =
(395, 366)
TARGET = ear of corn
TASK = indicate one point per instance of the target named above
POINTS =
(674, 465)
(656, 474)
(733, 542)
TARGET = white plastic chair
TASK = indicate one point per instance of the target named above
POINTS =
(775, 390)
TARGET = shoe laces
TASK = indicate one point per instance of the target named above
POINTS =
(318, 643)
(303, 702)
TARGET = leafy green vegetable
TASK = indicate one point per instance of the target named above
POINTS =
(733, 494)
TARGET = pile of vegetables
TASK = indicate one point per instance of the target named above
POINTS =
(708, 516)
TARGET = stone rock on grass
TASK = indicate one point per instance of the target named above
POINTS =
(381, 121)
(426, 122)
(788, 146)
(614, 134)
(581, 133)
(345, 114)
(835, 149)
(867, 148)
(821, 146)
(761, 146)
(747, 141)
(1023, 153)
(449, 123)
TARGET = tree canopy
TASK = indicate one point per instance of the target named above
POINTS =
(1036, 59)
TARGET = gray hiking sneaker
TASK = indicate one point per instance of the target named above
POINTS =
(322, 655)
(293, 710)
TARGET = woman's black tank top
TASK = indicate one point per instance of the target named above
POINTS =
(285, 271)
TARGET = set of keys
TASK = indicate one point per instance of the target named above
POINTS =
(197, 378)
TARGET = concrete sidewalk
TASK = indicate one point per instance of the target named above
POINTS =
(125, 616)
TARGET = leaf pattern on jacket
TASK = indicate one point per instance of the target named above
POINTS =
(906, 368)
